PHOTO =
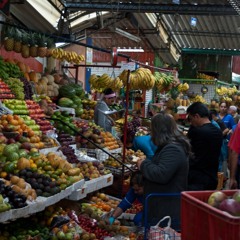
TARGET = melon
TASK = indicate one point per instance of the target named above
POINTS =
(13, 156)
(65, 102)
(11, 148)
(22, 153)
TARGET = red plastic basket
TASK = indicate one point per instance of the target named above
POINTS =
(200, 221)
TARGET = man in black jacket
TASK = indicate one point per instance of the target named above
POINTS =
(206, 141)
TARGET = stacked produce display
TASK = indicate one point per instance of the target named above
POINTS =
(49, 152)
(54, 158)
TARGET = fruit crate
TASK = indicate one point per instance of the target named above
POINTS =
(201, 221)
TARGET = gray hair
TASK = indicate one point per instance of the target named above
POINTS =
(234, 108)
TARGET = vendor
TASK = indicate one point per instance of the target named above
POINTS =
(100, 118)
(135, 193)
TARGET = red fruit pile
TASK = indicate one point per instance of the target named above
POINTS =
(90, 225)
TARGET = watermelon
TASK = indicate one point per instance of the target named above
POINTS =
(67, 91)
(10, 149)
(22, 153)
(13, 156)
(65, 102)
(9, 167)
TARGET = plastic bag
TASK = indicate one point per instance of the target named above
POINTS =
(70, 230)
(166, 233)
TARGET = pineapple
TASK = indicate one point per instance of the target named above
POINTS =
(17, 43)
(25, 45)
(33, 44)
(42, 49)
(8, 38)
(50, 46)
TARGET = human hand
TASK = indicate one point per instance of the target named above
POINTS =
(139, 162)
(111, 220)
(232, 183)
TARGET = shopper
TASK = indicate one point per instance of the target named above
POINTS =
(100, 117)
(145, 144)
(214, 115)
(233, 112)
(206, 141)
(224, 116)
(234, 158)
(167, 171)
(135, 193)
(224, 149)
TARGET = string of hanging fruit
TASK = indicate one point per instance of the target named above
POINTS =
(32, 44)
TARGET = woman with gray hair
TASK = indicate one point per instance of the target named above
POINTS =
(233, 111)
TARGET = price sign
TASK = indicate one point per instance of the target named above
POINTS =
(109, 179)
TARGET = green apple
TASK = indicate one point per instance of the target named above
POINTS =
(61, 235)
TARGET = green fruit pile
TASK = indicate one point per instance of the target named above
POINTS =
(16, 86)
(65, 125)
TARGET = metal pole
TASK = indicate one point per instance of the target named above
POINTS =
(125, 129)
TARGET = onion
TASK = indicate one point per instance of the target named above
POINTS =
(230, 206)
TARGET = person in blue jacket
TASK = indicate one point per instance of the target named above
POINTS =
(145, 144)
(135, 193)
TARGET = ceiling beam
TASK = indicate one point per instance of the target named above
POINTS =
(206, 33)
(183, 9)
(55, 6)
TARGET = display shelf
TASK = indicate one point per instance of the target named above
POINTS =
(91, 186)
(78, 185)
(77, 191)
(78, 194)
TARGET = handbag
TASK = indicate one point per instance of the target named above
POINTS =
(166, 233)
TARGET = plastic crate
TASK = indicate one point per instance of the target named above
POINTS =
(201, 221)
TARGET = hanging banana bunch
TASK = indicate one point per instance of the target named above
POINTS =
(164, 82)
(99, 83)
(142, 78)
(116, 84)
(69, 56)
(183, 87)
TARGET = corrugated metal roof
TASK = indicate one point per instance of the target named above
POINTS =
(164, 27)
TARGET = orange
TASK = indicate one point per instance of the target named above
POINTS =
(4, 117)
(33, 165)
(9, 117)
(3, 174)
(65, 228)
(31, 133)
(16, 117)
(4, 123)
(13, 122)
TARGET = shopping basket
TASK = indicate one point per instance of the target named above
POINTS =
(175, 219)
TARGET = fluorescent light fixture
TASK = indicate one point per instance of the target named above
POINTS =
(193, 21)
(127, 35)
(130, 49)
(174, 52)
(162, 32)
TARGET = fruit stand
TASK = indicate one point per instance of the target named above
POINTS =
(58, 169)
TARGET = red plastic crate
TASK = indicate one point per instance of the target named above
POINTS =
(200, 221)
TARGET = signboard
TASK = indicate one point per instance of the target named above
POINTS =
(128, 66)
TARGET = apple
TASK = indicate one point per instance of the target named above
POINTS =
(231, 206)
(3, 139)
(68, 236)
(61, 235)
(236, 196)
(216, 198)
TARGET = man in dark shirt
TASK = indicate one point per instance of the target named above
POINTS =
(206, 141)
